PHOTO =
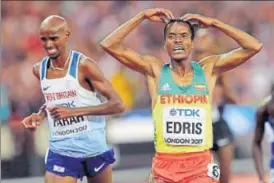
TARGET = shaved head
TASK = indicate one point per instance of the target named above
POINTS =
(55, 23)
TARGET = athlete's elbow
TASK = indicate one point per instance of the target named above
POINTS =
(257, 47)
(118, 106)
(111, 46)
(107, 45)
(108, 48)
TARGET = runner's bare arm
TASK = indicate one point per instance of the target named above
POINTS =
(261, 117)
(224, 62)
(35, 119)
(114, 103)
(113, 43)
(249, 47)
(229, 94)
(36, 72)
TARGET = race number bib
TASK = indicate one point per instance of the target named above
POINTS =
(184, 126)
(69, 127)
(213, 171)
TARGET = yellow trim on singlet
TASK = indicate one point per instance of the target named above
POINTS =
(161, 145)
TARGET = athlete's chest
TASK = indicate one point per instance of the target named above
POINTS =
(61, 91)
(55, 74)
(67, 82)
(182, 80)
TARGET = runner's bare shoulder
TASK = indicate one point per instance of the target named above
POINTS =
(155, 63)
(36, 70)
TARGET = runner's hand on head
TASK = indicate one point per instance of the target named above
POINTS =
(158, 15)
(204, 22)
(32, 121)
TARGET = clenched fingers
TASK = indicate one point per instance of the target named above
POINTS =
(54, 112)
(29, 122)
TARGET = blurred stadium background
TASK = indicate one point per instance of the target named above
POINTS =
(22, 151)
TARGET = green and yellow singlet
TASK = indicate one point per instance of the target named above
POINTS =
(182, 114)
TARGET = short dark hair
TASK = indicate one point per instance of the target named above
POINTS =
(173, 20)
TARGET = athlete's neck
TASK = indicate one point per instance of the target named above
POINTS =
(60, 62)
(181, 68)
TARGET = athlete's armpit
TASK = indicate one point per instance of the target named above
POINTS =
(229, 94)
(114, 103)
(98, 80)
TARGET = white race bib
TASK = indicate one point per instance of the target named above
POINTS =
(69, 127)
(213, 171)
(184, 126)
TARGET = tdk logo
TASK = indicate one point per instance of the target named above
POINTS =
(172, 112)
(185, 112)
(70, 104)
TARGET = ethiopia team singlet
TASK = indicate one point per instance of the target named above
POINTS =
(182, 114)
(80, 136)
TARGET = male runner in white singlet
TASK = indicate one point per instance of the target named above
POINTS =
(75, 114)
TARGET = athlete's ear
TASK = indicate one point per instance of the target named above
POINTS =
(68, 33)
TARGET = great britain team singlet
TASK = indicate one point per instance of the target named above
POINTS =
(182, 114)
(81, 136)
